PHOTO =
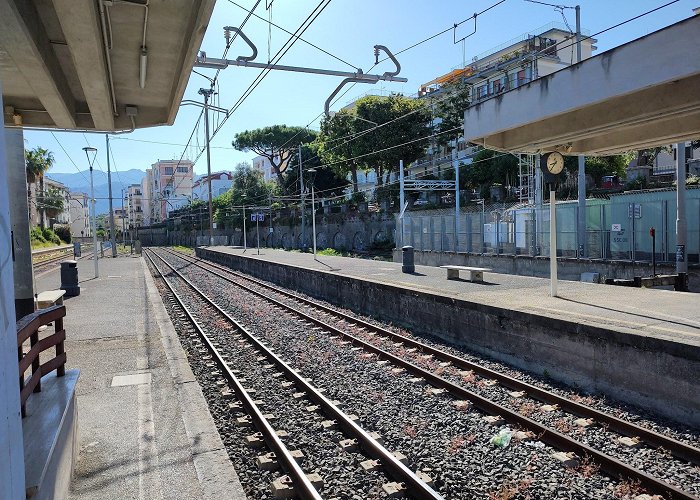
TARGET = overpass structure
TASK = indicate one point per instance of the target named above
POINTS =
(90, 65)
(639, 95)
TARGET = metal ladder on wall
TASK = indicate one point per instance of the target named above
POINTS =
(526, 164)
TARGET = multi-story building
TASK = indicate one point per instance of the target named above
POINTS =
(262, 164)
(79, 208)
(220, 183)
(512, 64)
(171, 187)
(146, 200)
(134, 208)
(39, 203)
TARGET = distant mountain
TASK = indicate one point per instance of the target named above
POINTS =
(80, 182)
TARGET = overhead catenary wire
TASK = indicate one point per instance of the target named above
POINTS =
(537, 56)
(264, 72)
(69, 157)
(300, 38)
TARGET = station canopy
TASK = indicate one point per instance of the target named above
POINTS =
(642, 94)
(83, 64)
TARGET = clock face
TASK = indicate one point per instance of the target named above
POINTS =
(555, 163)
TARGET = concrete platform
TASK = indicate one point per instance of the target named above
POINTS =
(144, 427)
(637, 345)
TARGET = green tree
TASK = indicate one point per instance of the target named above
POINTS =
(487, 168)
(277, 143)
(448, 106)
(52, 202)
(248, 189)
(38, 161)
(598, 166)
(339, 145)
(328, 182)
(405, 136)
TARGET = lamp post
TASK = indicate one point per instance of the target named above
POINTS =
(92, 150)
(483, 216)
(313, 209)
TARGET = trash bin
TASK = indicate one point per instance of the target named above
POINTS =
(69, 278)
(407, 260)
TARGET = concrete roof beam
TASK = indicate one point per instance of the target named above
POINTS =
(80, 23)
(24, 40)
(638, 95)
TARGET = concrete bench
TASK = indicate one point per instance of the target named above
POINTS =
(475, 273)
(50, 298)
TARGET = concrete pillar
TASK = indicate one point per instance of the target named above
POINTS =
(11, 443)
(581, 223)
(19, 214)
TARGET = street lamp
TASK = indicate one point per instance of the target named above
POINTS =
(313, 209)
(92, 150)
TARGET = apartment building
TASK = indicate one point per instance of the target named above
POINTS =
(262, 164)
(220, 183)
(134, 206)
(510, 65)
(79, 208)
(146, 197)
(169, 184)
(40, 203)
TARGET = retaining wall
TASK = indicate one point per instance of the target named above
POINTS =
(646, 371)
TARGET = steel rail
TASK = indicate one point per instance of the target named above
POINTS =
(608, 464)
(678, 449)
(415, 486)
(302, 486)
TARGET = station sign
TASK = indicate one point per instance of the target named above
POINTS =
(617, 227)
(259, 217)
(634, 210)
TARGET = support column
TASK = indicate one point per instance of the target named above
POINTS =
(581, 223)
(11, 442)
(19, 217)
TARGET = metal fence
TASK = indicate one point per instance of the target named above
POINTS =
(615, 229)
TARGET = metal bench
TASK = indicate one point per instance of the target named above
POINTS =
(475, 273)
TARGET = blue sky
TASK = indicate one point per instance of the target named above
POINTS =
(348, 29)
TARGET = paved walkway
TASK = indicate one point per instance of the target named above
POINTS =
(665, 314)
(145, 431)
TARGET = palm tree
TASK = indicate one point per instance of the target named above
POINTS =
(38, 161)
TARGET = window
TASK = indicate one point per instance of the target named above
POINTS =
(497, 86)
(183, 170)
(521, 77)
(168, 170)
(482, 91)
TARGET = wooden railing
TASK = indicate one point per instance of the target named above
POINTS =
(28, 328)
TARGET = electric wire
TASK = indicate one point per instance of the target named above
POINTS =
(300, 38)
(69, 157)
(264, 72)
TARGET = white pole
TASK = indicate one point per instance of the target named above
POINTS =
(401, 197)
(94, 225)
(456, 198)
(112, 230)
(553, 243)
(257, 228)
(681, 223)
(313, 217)
(245, 240)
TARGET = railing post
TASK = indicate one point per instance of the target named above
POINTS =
(36, 362)
(21, 379)
(61, 370)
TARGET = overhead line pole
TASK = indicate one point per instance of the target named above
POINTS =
(112, 238)
(303, 207)
(207, 93)
(581, 219)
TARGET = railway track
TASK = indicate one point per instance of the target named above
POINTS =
(445, 370)
(259, 371)
(45, 266)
